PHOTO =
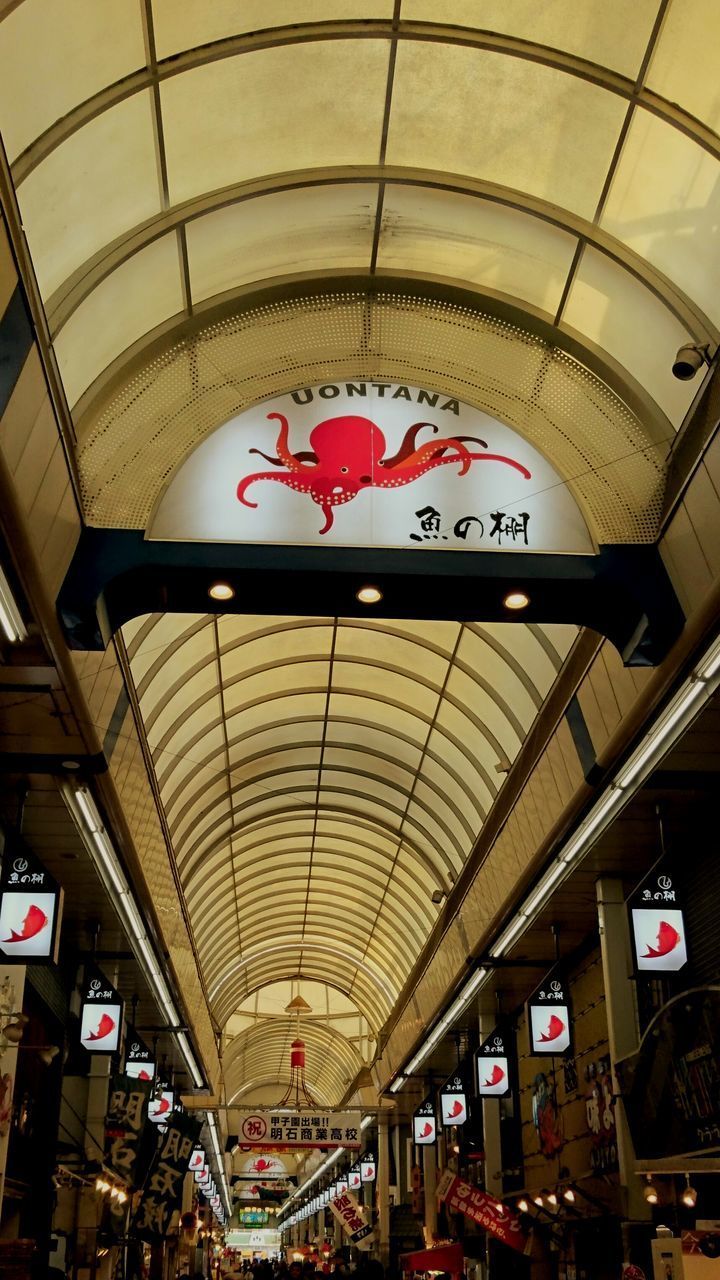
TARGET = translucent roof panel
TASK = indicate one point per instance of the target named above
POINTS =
(684, 66)
(182, 24)
(317, 771)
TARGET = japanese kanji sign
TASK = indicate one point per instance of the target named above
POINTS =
(162, 1193)
(658, 925)
(548, 1014)
(493, 1066)
(425, 1123)
(347, 1211)
(139, 1060)
(30, 909)
(453, 1102)
(371, 464)
(101, 1013)
(300, 1129)
(125, 1124)
(485, 1210)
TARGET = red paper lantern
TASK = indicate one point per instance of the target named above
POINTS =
(297, 1053)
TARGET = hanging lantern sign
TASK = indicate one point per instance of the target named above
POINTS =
(368, 1166)
(658, 925)
(425, 1124)
(453, 1102)
(354, 1177)
(548, 1014)
(101, 1013)
(493, 1067)
(162, 1106)
(139, 1060)
(30, 910)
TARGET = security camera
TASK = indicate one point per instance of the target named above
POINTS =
(688, 360)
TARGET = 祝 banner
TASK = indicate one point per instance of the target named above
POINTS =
(162, 1193)
(486, 1210)
(125, 1124)
(370, 464)
(347, 1211)
(300, 1129)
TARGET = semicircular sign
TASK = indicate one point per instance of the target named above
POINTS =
(370, 464)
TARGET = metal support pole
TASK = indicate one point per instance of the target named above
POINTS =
(383, 1189)
(623, 1031)
(429, 1189)
(491, 1125)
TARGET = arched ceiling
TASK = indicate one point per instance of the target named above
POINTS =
(321, 779)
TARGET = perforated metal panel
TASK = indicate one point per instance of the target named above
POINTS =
(131, 447)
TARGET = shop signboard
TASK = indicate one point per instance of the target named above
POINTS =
(348, 1213)
(139, 1060)
(453, 1101)
(162, 1105)
(371, 464)
(368, 1166)
(295, 1129)
(198, 1160)
(425, 1124)
(30, 909)
(354, 1177)
(492, 1065)
(658, 925)
(486, 1210)
(548, 1015)
(671, 1086)
(101, 1013)
(125, 1122)
(162, 1192)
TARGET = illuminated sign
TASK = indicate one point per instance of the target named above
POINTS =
(300, 1129)
(101, 1013)
(198, 1160)
(139, 1060)
(493, 1067)
(368, 1166)
(371, 464)
(658, 926)
(549, 1017)
(354, 1177)
(162, 1106)
(453, 1103)
(425, 1124)
(30, 910)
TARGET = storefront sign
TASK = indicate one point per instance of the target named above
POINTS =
(425, 1124)
(139, 1060)
(368, 1165)
(548, 1013)
(493, 1067)
(125, 1124)
(198, 1161)
(354, 1177)
(453, 1102)
(485, 1210)
(658, 926)
(162, 1193)
(300, 1129)
(671, 1086)
(266, 1167)
(375, 465)
(162, 1105)
(600, 1113)
(347, 1211)
(30, 909)
(101, 1013)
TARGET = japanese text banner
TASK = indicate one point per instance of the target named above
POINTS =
(125, 1124)
(347, 1211)
(299, 1129)
(162, 1193)
(487, 1211)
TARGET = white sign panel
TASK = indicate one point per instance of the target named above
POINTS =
(299, 1129)
(659, 936)
(27, 923)
(549, 1028)
(100, 1027)
(493, 1077)
(160, 1108)
(374, 465)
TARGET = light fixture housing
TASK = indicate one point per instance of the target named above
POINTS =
(516, 600)
(569, 1195)
(523, 1206)
(369, 594)
(689, 1195)
(650, 1191)
(221, 591)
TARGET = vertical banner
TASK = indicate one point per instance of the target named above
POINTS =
(347, 1211)
(548, 1015)
(12, 987)
(101, 1013)
(425, 1124)
(162, 1193)
(139, 1060)
(658, 925)
(368, 1165)
(453, 1101)
(492, 1065)
(354, 1177)
(30, 909)
(125, 1122)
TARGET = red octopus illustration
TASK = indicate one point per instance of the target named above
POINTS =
(347, 455)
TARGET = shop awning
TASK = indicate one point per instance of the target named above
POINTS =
(446, 1257)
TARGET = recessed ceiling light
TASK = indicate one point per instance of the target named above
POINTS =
(221, 591)
(516, 600)
(369, 594)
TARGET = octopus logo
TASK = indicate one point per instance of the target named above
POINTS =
(347, 455)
